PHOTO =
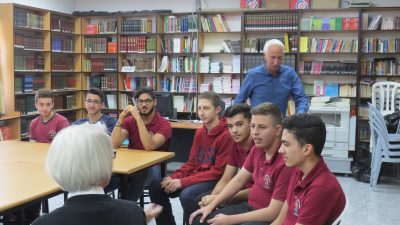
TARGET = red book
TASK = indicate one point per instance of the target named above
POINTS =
(299, 4)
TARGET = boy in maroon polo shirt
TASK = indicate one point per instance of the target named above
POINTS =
(145, 129)
(45, 127)
(314, 197)
(267, 168)
(210, 151)
(238, 119)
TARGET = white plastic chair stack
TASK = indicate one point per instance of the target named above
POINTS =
(386, 147)
(386, 96)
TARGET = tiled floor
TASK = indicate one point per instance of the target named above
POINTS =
(366, 207)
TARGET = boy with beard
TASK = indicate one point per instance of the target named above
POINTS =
(145, 129)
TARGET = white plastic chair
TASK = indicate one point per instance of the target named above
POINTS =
(386, 147)
(337, 221)
(386, 96)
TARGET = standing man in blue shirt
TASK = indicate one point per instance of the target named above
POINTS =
(273, 82)
(94, 102)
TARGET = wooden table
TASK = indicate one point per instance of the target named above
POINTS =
(186, 124)
(24, 181)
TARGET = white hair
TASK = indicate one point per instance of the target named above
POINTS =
(80, 158)
(272, 42)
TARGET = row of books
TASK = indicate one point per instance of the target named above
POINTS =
(257, 45)
(63, 82)
(173, 24)
(328, 23)
(28, 83)
(29, 63)
(28, 42)
(62, 44)
(380, 67)
(225, 84)
(179, 84)
(251, 61)
(185, 44)
(100, 45)
(214, 23)
(385, 22)
(231, 46)
(65, 25)
(363, 114)
(133, 83)
(132, 26)
(364, 133)
(327, 68)
(62, 62)
(183, 103)
(24, 18)
(376, 45)
(332, 89)
(64, 102)
(271, 22)
(100, 65)
(140, 44)
(25, 105)
(327, 45)
(102, 26)
(141, 64)
(365, 88)
(101, 81)
(182, 64)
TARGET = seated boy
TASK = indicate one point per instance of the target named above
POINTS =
(210, 151)
(238, 119)
(314, 194)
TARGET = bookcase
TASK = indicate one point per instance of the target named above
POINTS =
(100, 58)
(138, 55)
(178, 59)
(379, 59)
(66, 71)
(220, 53)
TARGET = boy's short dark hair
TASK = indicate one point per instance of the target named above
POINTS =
(44, 93)
(236, 109)
(211, 96)
(268, 109)
(145, 90)
(98, 92)
(307, 129)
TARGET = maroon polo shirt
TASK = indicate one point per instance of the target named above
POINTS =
(237, 158)
(271, 178)
(317, 199)
(158, 125)
(45, 132)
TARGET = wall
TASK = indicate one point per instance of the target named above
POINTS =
(66, 6)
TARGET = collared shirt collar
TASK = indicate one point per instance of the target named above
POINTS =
(273, 158)
(318, 168)
(91, 191)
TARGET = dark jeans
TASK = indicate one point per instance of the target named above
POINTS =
(230, 210)
(139, 180)
(188, 197)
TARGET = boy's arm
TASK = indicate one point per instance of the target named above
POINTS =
(229, 173)
(282, 215)
(267, 214)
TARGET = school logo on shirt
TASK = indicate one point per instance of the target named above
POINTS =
(52, 133)
(267, 181)
(297, 206)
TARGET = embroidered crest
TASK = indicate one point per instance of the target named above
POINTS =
(267, 182)
(297, 206)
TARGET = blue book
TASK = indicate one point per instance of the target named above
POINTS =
(332, 89)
